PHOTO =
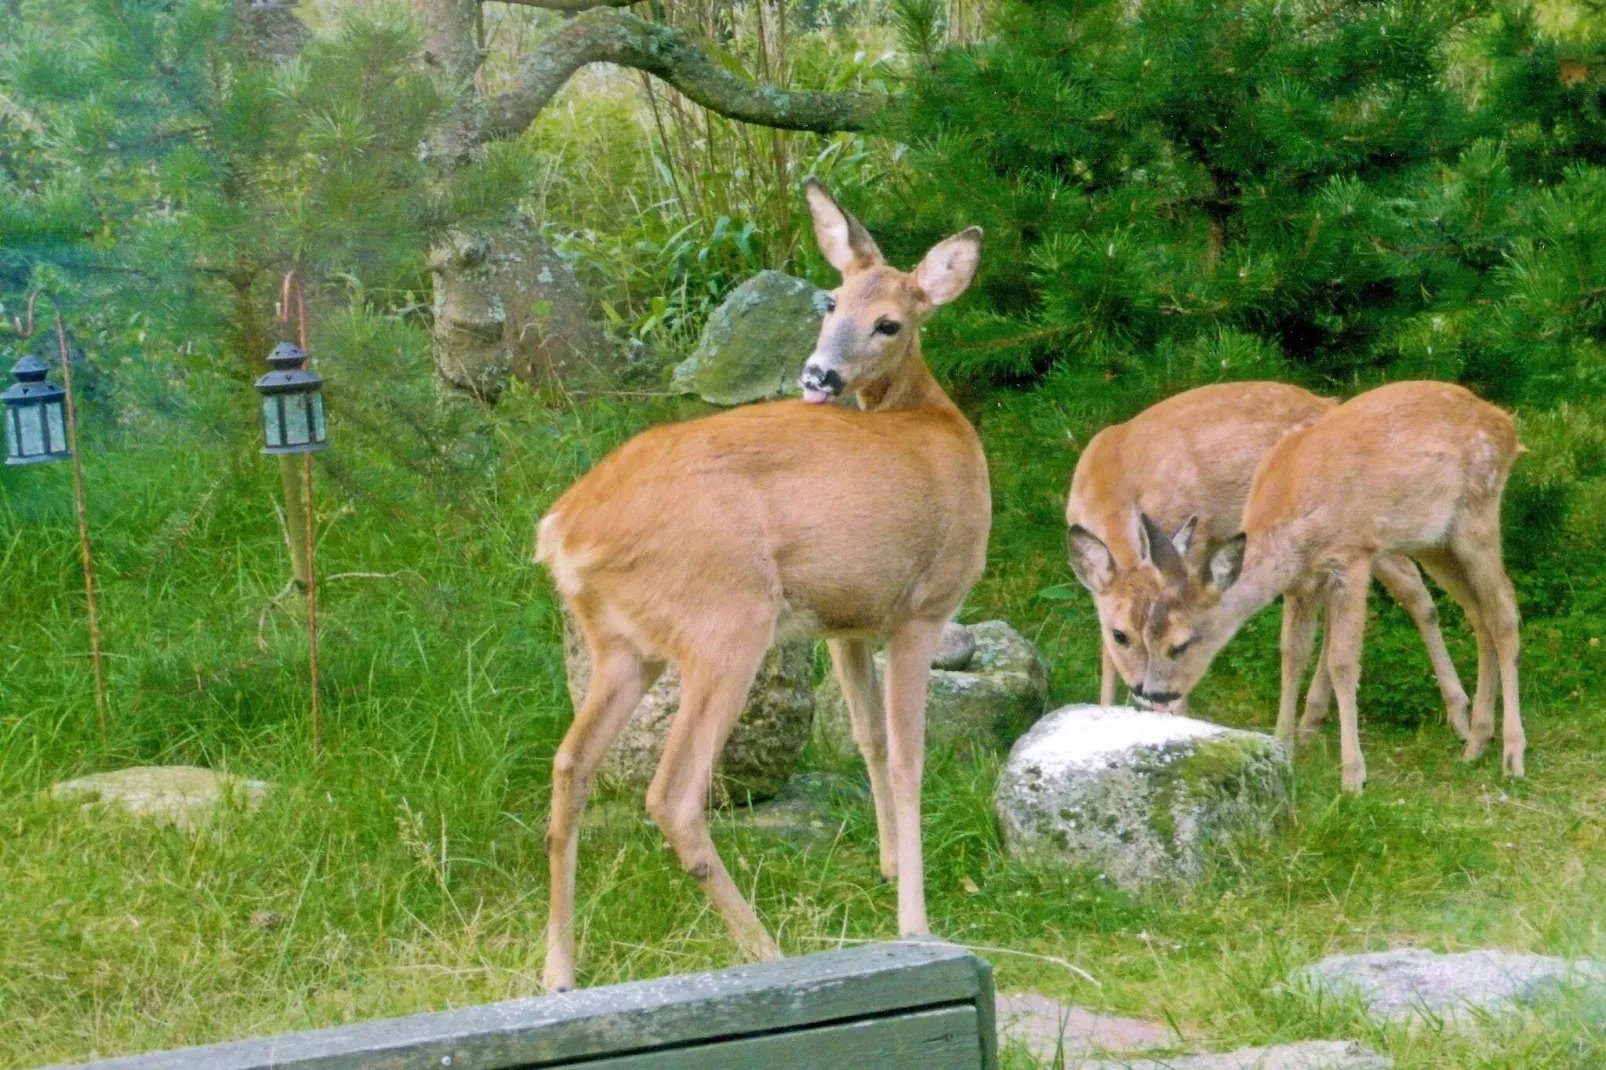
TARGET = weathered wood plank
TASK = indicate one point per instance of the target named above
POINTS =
(836, 986)
(942, 1039)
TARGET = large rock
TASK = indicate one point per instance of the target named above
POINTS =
(182, 796)
(1141, 797)
(1397, 985)
(1047, 1028)
(1001, 692)
(764, 747)
(1308, 1055)
(754, 344)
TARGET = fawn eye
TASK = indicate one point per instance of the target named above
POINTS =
(1178, 650)
(887, 327)
(1120, 637)
(830, 304)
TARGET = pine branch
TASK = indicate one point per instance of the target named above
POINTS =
(618, 37)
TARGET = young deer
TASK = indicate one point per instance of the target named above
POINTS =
(701, 542)
(1187, 463)
(1412, 468)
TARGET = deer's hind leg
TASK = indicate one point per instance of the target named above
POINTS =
(854, 661)
(1346, 625)
(1446, 569)
(1399, 577)
(715, 677)
(1477, 548)
(1299, 628)
(620, 676)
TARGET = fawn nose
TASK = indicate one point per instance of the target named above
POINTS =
(1159, 698)
(818, 380)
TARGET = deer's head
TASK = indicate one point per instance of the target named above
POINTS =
(1162, 621)
(872, 321)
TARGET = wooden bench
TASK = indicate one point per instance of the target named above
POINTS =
(926, 1006)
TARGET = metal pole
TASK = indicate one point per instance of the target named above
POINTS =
(292, 283)
(78, 498)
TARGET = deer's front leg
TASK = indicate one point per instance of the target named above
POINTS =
(908, 668)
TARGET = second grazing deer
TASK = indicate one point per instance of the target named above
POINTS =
(1187, 463)
(1413, 468)
(700, 542)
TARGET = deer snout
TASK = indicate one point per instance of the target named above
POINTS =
(820, 384)
(1156, 700)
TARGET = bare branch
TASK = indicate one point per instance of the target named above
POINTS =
(607, 36)
(569, 5)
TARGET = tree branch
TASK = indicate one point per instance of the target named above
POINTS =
(569, 5)
(608, 36)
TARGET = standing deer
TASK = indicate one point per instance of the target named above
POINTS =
(1412, 468)
(702, 542)
(1187, 464)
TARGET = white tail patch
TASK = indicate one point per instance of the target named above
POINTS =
(550, 551)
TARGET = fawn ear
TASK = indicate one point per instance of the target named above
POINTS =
(1183, 539)
(843, 239)
(1226, 563)
(946, 271)
(1090, 558)
(1155, 548)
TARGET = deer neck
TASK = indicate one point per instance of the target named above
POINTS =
(910, 386)
(1270, 567)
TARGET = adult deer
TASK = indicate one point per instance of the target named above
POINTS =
(1412, 468)
(1187, 464)
(701, 542)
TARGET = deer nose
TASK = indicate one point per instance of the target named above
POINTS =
(1157, 697)
(828, 380)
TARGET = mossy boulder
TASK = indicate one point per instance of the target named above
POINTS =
(999, 693)
(754, 344)
(1141, 797)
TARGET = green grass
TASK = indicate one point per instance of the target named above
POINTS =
(406, 871)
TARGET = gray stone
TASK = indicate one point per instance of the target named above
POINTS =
(1141, 797)
(754, 344)
(1046, 1027)
(763, 750)
(182, 796)
(1003, 690)
(1309, 1055)
(806, 811)
(1398, 985)
(957, 648)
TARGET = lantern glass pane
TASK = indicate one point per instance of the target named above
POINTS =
(319, 432)
(32, 430)
(55, 424)
(12, 448)
(271, 428)
(295, 420)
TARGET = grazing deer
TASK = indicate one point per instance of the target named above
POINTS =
(701, 542)
(1412, 468)
(1187, 463)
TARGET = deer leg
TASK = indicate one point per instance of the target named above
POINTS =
(1480, 559)
(908, 668)
(1107, 675)
(1399, 577)
(713, 690)
(854, 662)
(619, 678)
(1346, 622)
(1299, 629)
(1319, 697)
(1446, 568)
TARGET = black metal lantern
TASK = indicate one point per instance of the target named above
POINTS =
(292, 403)
(35, 415)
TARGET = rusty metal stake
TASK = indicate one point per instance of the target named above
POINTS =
(292, 283)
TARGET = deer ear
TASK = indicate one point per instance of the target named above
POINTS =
(844, 241)
(1226, 563)
(946, 271)
(1183, 539)
(1090, 559)
(1154, 547)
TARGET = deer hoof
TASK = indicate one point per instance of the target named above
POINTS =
(1458, 719)
(1474, 749)
(1354, 780)
(1512, 760)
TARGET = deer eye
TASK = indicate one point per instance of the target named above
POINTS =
(1178, 650)
(1120, 637)
(887, 327)
(830, 304)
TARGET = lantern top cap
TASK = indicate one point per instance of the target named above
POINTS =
(30, 369)
(287, 355)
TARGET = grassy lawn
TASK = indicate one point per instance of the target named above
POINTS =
(406, 870)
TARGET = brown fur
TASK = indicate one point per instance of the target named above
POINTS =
(1412, 468)
(698, 543)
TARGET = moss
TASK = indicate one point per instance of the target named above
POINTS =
(1220, 768)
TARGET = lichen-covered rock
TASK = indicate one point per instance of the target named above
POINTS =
(1399, 984)
(763, 750)
(183, 796)
(1141, 797)
(754, 344)
(1001, 691)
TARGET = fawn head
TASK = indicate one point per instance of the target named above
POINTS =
(1161, 619)
(872, 321)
